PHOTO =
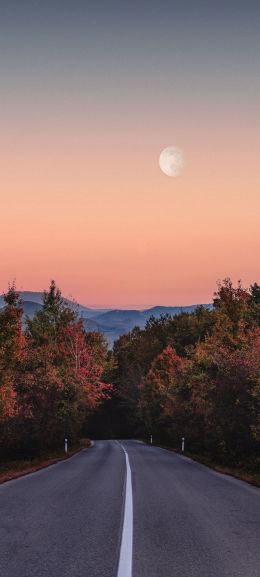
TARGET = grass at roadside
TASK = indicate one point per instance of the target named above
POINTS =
(243, 473)
(17, 468)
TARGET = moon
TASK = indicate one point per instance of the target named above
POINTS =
(171, 161)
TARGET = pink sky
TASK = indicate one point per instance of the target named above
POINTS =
(96, 214)
(87, 107)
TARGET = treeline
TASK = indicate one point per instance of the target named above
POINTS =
(51, 375)
(194, 375)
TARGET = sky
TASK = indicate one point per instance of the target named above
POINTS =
(90, 93)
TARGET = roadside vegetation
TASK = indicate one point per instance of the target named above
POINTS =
(11, 469)
(195, 376)
(51, 377)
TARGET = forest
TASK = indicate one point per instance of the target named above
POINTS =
(50, 375)
(195, 376)
(192, 375)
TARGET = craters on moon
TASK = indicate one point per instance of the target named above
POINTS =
(171, 161)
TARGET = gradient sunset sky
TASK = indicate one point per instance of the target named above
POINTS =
(91, 92)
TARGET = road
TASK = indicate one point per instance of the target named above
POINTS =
(188, 521)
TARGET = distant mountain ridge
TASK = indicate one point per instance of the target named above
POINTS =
(111, 322)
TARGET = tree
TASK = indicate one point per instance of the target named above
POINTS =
(12, 346)
(161, 393)
(63, 373)
(232, 302)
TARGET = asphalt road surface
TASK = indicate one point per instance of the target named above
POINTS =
(74, 519)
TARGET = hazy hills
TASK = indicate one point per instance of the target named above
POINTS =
(112, 323)
(36, 298)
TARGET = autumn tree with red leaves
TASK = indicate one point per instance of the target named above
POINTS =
(197, 375)
(12, 347)
(50, 374)
(161, 391)
(64, 371)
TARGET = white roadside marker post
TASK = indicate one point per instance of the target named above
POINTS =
(183, 444)
(151, 439)
(66, 445)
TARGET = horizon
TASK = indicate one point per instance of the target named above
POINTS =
(114, 306)
(130, 306)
